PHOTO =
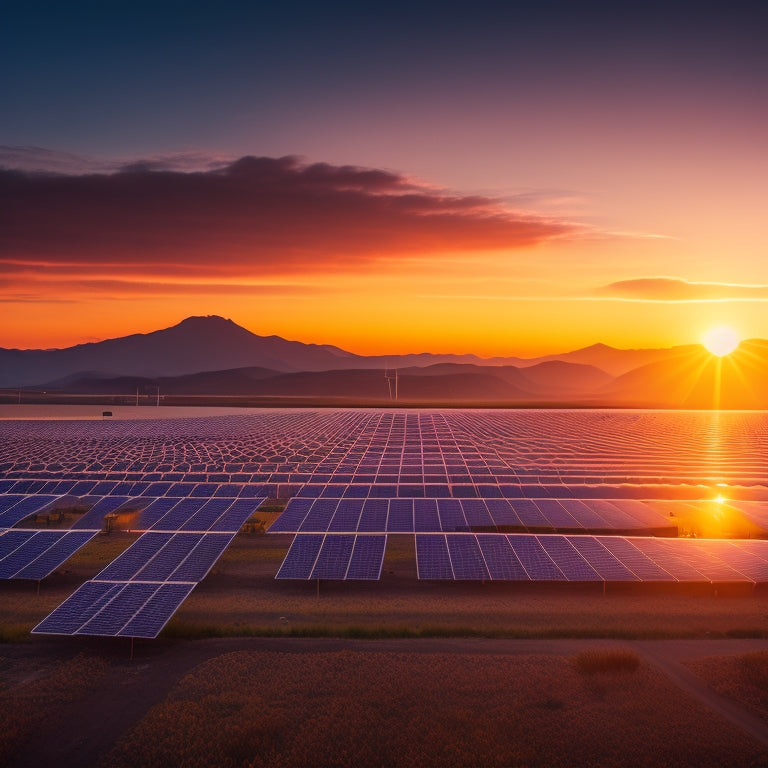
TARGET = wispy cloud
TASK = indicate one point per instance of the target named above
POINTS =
(676, 289)
(39, 160)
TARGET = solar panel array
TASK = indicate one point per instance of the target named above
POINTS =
(349, 515)
(464, 454)
(355, 476)
(550, 557)
(139, 591)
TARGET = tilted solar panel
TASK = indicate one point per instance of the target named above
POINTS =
(125, 567)
(537, 563)
(66, 544)
(467, 558)
(78, 608)
(168, 558)
(334, 556)
(432, 558)
(27, 506)
(290, 520)
(367, 557)
(93, 519)
(604, 562)
(373, 518)
(236, 514)
(573, 566)
(302, 554)
(150, 619)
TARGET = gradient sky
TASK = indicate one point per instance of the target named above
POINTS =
(497, 178)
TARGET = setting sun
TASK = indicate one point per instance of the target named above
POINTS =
(720, 340)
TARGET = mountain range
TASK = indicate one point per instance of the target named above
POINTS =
(215, 356)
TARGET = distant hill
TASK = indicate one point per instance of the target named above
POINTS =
(214, 356)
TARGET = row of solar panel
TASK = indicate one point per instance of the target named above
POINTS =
(537, 486)
(167, 513)
(81, 488)
(335, 556)
(527, 557)
(28, 554)
(116, 609)
(222, 514)
(43, 481)
(304, 515)
(177, 557)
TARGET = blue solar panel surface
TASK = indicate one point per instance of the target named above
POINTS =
(334, 556)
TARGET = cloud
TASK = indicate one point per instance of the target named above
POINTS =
(254, 217)
(38, 160)
(676, 289)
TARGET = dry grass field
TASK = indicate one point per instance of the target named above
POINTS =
(255, 672)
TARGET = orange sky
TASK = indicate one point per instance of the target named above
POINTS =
(370, 261)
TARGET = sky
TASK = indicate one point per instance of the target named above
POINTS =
(502, 178)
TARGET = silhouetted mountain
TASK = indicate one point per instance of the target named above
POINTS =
(196, 344)
(617, 361)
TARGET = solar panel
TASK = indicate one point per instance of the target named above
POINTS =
(206, 515)
(432, 558)
(26, 553)
(122, 607)
(633, 559)
(150, 619)
(604, 562)
(530, 515)
(25, 507)
(367, 557)
(334, 556)
(125, 567)
(568, 559)
(466, 558)
(93, 519)
(168, 558)
(347, 516)
(537, 563)
(557, 515)
(64, 545)
(178, 514)
(503, 513)
(476, 513)
(290, 520)
(373, 518)
(500, 558)
(670, 559)
(240, 511)
(451, 515)
(319, 516)
(203, 557)
(400, 518)
(9, 500)
(78, 608)
(425, 516)
(300, 559)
